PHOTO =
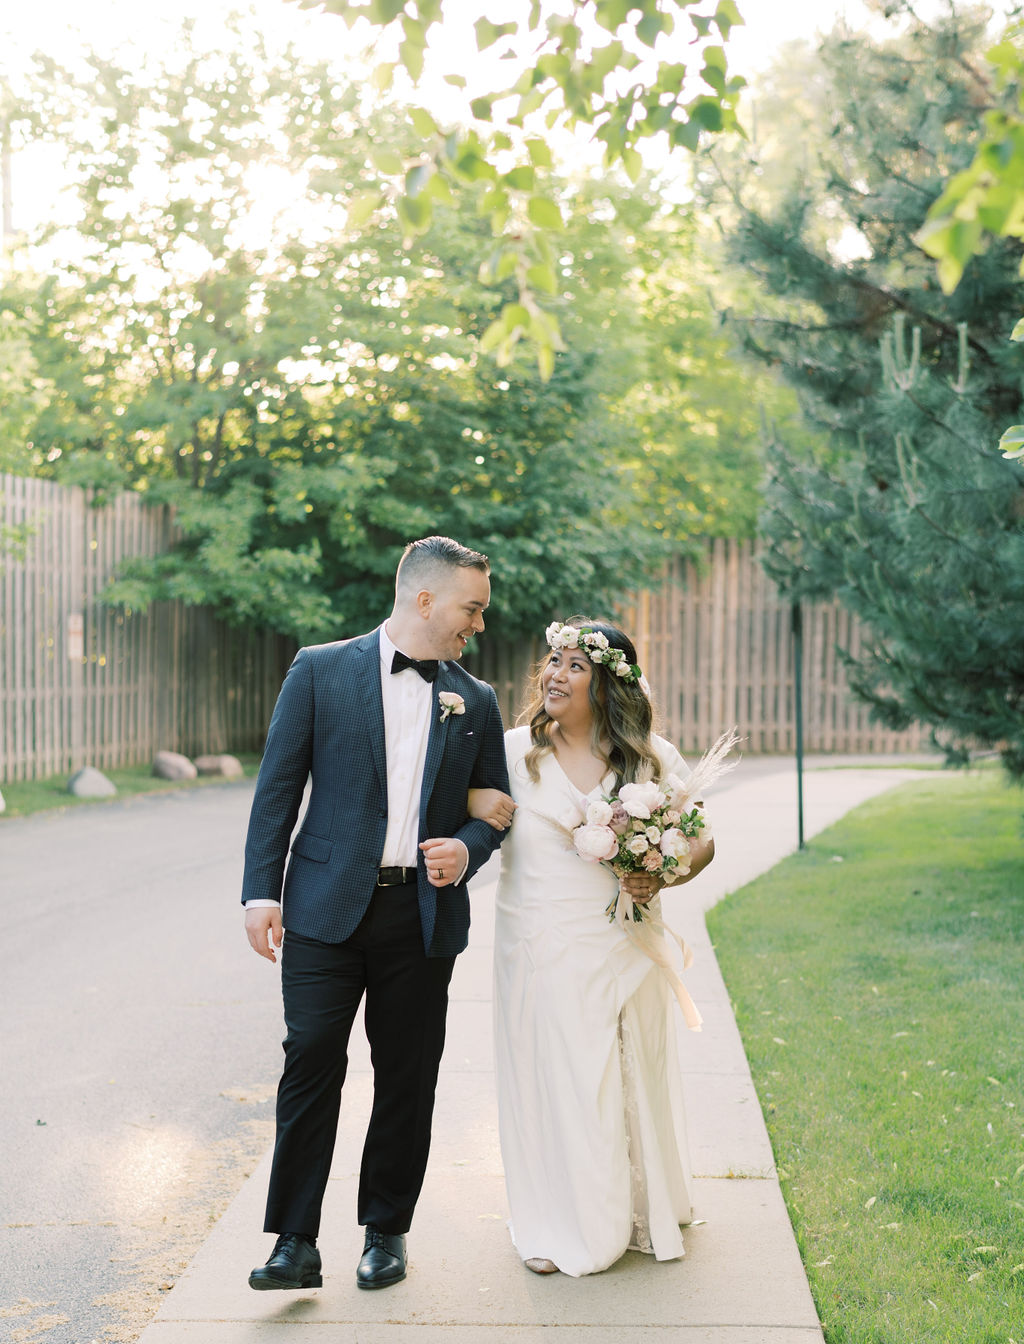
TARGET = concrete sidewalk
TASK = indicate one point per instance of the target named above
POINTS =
(741, 1282)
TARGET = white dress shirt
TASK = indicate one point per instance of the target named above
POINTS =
(408, 703)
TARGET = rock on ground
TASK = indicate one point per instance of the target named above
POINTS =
(91, 783)
(172, 765)
(229, 767)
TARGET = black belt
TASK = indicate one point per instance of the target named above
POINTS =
(395, 877)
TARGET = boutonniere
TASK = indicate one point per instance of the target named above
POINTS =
(451, 703)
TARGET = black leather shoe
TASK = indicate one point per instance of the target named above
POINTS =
(383, 1261)
(294, 1263)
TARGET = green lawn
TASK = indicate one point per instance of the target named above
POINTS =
(24, 797)
(879, 987)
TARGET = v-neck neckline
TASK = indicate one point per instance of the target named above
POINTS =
(573, 785)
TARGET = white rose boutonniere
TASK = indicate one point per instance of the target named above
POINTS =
(451, 703)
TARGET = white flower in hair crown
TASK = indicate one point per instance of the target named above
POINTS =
(598, 650)
(451, 703)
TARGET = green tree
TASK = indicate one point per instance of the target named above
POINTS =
(23, 393)
(311, 394)
(902, 510)
(987, 197)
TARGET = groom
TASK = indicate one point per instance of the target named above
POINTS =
(393, 733)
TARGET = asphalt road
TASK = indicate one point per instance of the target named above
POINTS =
(139, 1055)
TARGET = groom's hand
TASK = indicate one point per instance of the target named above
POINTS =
(263, 929)
(446, 861)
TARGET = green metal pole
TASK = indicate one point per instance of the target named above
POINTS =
(796, 617)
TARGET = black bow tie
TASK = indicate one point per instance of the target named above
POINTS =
(426, 667)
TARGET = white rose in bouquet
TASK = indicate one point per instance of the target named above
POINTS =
(638, 845)
(640, 800)
(599, 813)
(596, 844)
(674, 844)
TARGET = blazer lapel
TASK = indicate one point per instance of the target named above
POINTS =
(368, 678)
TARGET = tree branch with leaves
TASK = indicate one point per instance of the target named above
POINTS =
(610, 67)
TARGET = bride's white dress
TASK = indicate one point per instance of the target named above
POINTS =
(590, 1106)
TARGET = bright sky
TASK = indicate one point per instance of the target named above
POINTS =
(54, 22)
(60, 27)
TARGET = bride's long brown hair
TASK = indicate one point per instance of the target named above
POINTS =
(621, 715)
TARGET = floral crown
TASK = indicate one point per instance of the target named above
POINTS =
(598, 650)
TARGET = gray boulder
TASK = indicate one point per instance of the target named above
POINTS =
(228, 767)
(91, 783)
(172, 765)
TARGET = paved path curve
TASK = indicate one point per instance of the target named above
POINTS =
(140, 1055)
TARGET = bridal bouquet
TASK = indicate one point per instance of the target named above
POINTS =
(649, 827)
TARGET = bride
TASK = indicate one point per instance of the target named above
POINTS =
(589, 1100)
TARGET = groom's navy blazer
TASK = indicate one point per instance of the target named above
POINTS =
(328, 723)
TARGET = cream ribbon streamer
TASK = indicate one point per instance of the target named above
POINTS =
(656, 950)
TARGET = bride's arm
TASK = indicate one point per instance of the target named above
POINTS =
(492, 806)
(701, 853)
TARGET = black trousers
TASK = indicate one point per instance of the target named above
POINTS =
(406, 1005)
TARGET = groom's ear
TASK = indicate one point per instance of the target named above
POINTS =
(424, 602)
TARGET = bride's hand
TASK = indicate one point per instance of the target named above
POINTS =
(641, 887)
(492, 806)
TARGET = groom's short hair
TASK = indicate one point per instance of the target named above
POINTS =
(425, 560)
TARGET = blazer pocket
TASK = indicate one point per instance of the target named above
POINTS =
(313, 847)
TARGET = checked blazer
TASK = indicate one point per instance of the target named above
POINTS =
(328, 725)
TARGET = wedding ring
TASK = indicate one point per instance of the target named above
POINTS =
(440, 874)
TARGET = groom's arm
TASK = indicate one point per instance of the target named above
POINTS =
(462, 853)
(282, 778)
(490, 771)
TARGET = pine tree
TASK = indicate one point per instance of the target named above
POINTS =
(904, 511)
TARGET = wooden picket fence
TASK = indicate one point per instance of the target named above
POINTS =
(715, 641)
(83, 684)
